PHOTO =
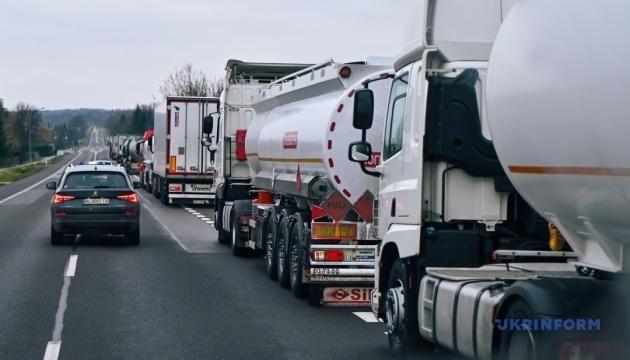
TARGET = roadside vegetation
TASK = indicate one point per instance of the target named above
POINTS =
(16, 173)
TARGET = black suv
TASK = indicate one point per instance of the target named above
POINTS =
(95, 199)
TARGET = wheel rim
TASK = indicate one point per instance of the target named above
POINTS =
(522, 346)
(281, 247)
(395, 312)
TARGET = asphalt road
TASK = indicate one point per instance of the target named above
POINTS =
(179, 295)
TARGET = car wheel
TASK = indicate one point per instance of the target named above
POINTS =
(134, 237)
(56, 238)
(283, 253)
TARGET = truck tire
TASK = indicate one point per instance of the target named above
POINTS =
(271, 254)
(222, 235)
(164, 192)
(517, 344)
(56, 238)
(298, 287)
(156, 186)
(402, 333)
(283, 253)
(236, 250)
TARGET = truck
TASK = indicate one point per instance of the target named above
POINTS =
(145, 150)
(503, 191)
(131, 159)
(183, 160)
(309, 209)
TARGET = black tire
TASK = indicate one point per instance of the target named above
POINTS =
(236, 250)
(402, 329)
(271, 254)
(296, 268)
(164, 192)
(133, 238)
(283, 253)
(156, 186)
(315, 295)
(520, 344)
(56, 238)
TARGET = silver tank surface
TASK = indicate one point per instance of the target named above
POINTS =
(305, 123)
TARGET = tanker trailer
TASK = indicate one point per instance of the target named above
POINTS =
(311, 211)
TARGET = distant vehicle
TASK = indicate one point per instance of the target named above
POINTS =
(94, 200)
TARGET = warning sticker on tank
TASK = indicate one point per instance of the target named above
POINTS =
(347, 296)
(290, 140)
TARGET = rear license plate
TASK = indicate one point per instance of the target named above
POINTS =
(347, 296)
(101, 201)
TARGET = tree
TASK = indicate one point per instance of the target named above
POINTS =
(3, 143)
(24, 123)
(189, 82)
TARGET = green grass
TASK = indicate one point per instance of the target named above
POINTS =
(12, 174)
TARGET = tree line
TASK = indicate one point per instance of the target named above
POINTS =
(23, 131)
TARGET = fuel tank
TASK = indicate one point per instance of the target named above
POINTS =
(558, 112)
(303, 127)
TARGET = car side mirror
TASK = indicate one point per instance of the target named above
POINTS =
(137, 185)
(51, 185)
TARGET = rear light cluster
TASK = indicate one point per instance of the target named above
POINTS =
(130, 197)
(61, 198)
(327, 255)
(243, 223)
(591, 351)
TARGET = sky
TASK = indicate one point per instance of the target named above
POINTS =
(114, 54)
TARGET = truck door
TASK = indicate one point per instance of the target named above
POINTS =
(400, 184)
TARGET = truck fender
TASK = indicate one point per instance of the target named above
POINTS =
(406, 239)
(241, 208)
(299, 219)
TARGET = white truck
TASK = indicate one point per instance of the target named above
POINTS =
(183, 164)
(145, 150)
(482, 137)
(310, 209)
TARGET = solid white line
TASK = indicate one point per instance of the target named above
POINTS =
(35, 185)
(72, 265)
(52, 350)
(367, 317)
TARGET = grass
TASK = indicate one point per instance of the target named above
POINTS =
(16, 173)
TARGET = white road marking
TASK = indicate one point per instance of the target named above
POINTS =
(72, 265)
(168, 230)
(199, 215)
(52, 350)
(210, 222)
(205, 219)
(34, 185)
(367, 317)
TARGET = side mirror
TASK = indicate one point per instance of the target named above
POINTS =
(206, 141)
(363, 109)
(207, 125)
(137, 185)
(51, 185)
(360, 151)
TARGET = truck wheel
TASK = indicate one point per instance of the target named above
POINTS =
(236, 250)
(222, 234)
(298, 288)
(517, 344)
(164, 192)
(56, 238)
(283, 253)
(315, 294)
(402, 333)
(271, 255)
(156, 186)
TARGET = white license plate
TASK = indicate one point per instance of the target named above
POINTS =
(101, 201)
(324, 271)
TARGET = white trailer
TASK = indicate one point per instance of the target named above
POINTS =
(183, 166)
(311, 214)
(485, 152)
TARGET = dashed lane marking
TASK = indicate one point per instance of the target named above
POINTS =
(367, 317)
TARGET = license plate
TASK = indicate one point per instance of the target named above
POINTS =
(347, 296)
(324, 271)
(101, 201)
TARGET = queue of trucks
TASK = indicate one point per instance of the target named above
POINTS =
(474, 192)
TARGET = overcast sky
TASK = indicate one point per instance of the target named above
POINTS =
(114, 54)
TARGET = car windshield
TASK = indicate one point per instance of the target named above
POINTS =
(95, 180)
